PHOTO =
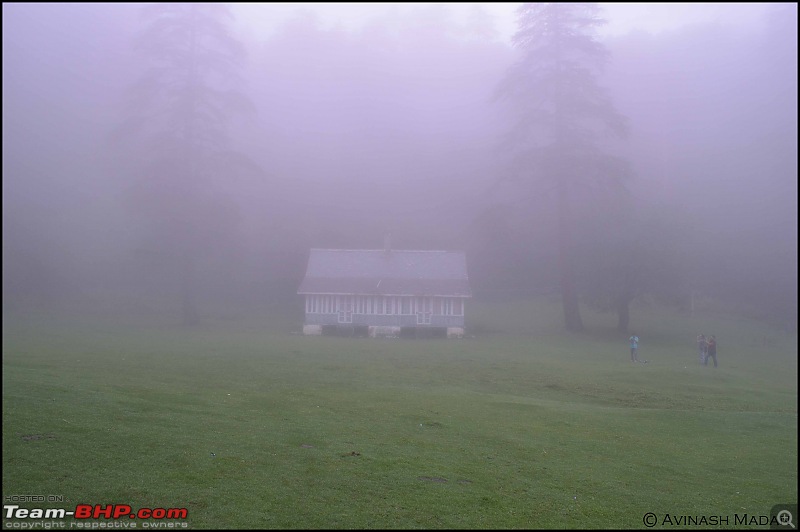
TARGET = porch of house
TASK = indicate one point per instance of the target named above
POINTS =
(384, 316)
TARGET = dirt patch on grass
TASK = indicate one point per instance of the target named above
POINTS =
(35, 437)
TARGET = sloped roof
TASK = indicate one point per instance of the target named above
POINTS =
(386, 272)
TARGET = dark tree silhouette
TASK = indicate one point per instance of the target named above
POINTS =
(622, 256)
(179, 111)
(562, 118)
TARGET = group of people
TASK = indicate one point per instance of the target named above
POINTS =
(707, 348)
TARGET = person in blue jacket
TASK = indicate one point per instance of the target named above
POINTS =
(634, 340)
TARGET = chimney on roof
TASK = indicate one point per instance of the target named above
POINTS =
(387, 243)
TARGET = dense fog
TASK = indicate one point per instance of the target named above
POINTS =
(335, 137)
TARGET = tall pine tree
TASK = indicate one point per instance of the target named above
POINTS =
(562, 117)
(178, 118)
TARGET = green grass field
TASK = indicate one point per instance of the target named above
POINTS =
(249, 425)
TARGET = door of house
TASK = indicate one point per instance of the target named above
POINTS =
(344, 308)
(424, 310)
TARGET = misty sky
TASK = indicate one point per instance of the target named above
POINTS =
(651, 17)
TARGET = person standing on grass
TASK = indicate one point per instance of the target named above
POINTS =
(711, 351)
(634, 341)
(702, 347)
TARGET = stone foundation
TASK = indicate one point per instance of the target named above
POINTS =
(455, 332)
(312, 330)
(384, 331)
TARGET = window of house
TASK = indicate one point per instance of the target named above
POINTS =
(447, 307)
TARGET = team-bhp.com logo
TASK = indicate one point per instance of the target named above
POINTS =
(94, 511)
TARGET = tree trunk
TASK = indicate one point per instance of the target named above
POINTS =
(623, 314)
(569, 293)
(188, 299)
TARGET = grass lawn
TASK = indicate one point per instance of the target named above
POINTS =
(249, 425)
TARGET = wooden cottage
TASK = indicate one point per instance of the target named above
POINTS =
(385, 292)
